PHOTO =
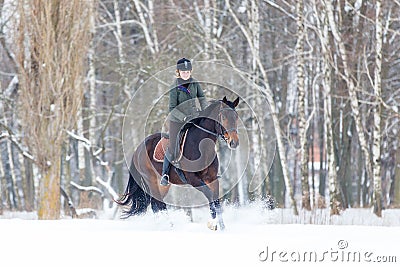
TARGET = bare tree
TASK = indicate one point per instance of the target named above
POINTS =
(267, 92)
(148, 26)
(352, 88)
(303, 151)
(323, 26)
(52, 45)
(376, 147)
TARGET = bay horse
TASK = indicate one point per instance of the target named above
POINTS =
(200, 165)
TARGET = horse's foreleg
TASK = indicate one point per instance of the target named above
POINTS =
(208, 193)
(215, 209)
(212, 223)
(215, 205)
(216, 216)
(218, 210)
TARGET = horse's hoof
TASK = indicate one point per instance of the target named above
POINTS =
(212, 225)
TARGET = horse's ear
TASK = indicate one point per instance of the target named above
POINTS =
(224, 99)
(236, 102)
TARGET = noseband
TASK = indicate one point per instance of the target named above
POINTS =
(222, 129)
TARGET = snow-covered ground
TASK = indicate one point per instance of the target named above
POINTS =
(253, 237)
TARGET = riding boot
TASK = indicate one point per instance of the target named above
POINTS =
(178, 170)
(165, 170)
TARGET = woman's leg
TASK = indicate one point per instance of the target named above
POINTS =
(165, 171)
(172, 151)
(174, 129)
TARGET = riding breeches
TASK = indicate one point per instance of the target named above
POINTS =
(174, 129)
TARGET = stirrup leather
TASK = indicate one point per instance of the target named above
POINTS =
(181, 175)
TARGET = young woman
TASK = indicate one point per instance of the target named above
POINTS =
(182, 108)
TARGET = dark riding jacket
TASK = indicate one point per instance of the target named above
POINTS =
(182, 101)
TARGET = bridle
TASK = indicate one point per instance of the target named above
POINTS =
(222, 131)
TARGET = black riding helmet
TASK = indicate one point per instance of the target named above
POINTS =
(184, 64)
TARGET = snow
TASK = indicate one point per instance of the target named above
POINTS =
(170, 239)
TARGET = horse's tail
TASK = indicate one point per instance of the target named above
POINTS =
(134, 195)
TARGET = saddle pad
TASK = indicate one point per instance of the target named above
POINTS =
(162, 146)
(159, 150)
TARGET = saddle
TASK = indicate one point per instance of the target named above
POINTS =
(163, 143)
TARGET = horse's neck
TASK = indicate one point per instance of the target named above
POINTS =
(208, 124)
(208, 121)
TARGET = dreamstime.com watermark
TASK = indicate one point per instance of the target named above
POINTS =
(340, 253)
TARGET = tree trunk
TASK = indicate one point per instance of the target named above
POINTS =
(257, 139)
(322, 160)
(352, 90)
(376, 147)
(277, 182)
(6, 160)
(29, 185)
(303, 151)
(149, 31)
(207, 28)
(49, 194)
(330, 153)
(1, 186)
(396, 183)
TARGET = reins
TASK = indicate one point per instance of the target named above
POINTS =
(205, 130)
(220, 125)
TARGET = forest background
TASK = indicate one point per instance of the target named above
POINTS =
(328, 68)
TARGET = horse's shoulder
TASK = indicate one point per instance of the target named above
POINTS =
(153, 138)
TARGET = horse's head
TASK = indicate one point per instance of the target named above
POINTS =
(228, 120)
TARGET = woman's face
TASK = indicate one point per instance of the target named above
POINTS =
(185, 74)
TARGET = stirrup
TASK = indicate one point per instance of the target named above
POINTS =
(164, 180)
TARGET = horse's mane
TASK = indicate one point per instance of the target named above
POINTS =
(208, 112)
(210, 108)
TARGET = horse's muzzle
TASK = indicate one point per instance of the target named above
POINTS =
(233, 144)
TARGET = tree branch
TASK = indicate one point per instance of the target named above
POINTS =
(87, 188)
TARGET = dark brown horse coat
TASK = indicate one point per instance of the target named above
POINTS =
(200, 162)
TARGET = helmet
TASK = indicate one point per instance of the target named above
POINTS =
(184, 64)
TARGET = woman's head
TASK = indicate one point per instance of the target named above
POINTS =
(183, 68)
